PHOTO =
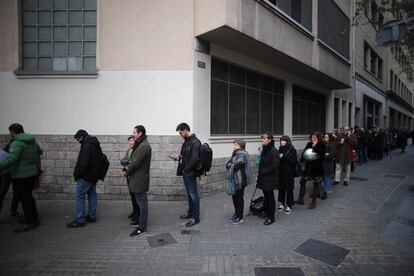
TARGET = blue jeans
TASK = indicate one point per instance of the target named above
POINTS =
(142, 201)
(327, 183)
(84, 187)
(190, 183)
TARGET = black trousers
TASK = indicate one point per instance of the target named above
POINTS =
(269, 204)
(5, 181)
(23, 187)
(238, 202)
(135, 207)
(285, 197)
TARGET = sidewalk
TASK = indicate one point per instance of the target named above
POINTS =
(373, 218)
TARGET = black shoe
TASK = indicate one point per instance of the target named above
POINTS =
(134, 222)
(335, 183)
(262, 215)
(75, 224)
(132, 215)
(137, 231)
(185, 217)
(192, 222)
(324, 196)
(90, 220)
(233, 217)
(345, 183)
(16, 214)
(24, 228)
(269, 221)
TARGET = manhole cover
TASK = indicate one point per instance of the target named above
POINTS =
(190, 232)
(161, 240)
(278, 271)
(395, 176)
(322, 251)
(406, 221)
(357, 178)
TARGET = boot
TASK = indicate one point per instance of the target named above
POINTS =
(312, 205)
(302, 192)
(324, 196)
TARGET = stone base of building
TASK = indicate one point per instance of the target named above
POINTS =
(60, 153)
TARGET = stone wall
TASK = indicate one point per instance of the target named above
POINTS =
(60, 153)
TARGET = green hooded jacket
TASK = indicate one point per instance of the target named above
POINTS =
(23, 156)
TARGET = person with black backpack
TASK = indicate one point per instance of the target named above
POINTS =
(190, 167)
(88, 171)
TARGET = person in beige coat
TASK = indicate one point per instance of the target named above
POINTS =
(138, 175)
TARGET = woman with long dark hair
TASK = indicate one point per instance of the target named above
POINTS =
(288, 161)
(312, 155)
(268, 176)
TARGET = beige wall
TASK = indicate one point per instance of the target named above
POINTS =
(131, 35)
(9, 35)
(145, 35)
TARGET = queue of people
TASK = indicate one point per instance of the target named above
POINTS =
(325, 161)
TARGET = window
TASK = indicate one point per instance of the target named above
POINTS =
(244, 102)
(372, 60)
(333, 27)
(299, 10)
(309, 111)
(58, 36)
(349, 114)
(391, 80)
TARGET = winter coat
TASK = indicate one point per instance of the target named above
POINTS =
(190, 156)
(125, 160)
(138, 170)
(268, 177)
(239, 168)
(23, 157)
(344, 151)
(90, 156)
(314, 169)
(328, 159)
(287, 168)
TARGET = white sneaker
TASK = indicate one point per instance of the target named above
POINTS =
(281, 208)
(288, 210)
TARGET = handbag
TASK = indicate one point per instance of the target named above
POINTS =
(300, 169)
(256, 205)
(230, 189)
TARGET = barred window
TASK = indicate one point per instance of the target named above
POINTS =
(309, 111)
(336, 113)
(333, 27)
(299, 10)
(58, 36)
(244, 102)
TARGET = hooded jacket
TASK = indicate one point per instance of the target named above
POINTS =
(268, 177)
(90, 155)
(23, 156)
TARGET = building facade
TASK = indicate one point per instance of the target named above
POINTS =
(383, 75)
(229, 68)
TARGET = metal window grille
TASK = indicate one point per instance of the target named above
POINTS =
(309, 111)
(333, 27)
(244, 102)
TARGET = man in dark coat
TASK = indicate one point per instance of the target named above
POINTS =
(86, 177)
(138, 175)
(268, 176)
(345, 142)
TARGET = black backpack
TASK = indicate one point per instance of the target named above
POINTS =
(206, 157)
(103, 166)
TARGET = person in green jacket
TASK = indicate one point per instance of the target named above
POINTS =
(23, 165)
